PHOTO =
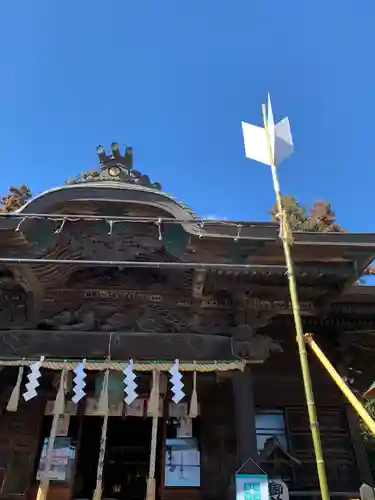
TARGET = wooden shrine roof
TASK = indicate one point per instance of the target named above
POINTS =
(90, 217)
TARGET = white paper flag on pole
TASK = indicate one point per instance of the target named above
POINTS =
(271, 126)
(256, 141)
(283, 141)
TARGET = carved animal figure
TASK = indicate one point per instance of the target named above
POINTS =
(72, 320)
(133, 319)
(117, 321)
(248, 344)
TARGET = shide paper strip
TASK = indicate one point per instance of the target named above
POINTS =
(255, 140)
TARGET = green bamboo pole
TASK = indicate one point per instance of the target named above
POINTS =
(314, 426)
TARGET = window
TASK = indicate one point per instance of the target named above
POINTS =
(63, 457)
(182, 467)
(182, 460)
(268, 424)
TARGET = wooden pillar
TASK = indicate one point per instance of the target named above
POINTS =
(358, 443)
(244, 410)
(363, 466)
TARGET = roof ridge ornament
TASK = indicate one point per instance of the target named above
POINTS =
(117, 167)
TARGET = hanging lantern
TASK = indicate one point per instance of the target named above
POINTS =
(115, 387)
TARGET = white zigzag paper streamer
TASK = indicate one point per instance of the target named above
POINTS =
(176, 381)
(130, 385)
(33, 380)
(79, 382)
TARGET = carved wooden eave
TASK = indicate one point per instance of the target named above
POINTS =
(199, 277)
(343, 270)
(329, 262)
(107, 192)
(359, 294)
(111, 191)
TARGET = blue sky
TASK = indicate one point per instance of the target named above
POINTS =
(174, 79)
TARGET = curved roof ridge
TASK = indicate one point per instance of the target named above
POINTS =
(113, 185)
(115, 173)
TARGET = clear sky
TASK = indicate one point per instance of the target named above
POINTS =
(174, 79)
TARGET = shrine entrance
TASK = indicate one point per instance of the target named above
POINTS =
(127, 458)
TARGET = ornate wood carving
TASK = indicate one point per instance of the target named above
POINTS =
(27, 279)
(112, 278)
(359, 308)
(125, 241)
(13, 306)
(244, 336)
(151, 318)
(160, 318)
(247, 323)
(115, 167)
(178, 300)
(198, 283)
(197, 293)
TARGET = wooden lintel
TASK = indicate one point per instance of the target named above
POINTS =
(94, 345)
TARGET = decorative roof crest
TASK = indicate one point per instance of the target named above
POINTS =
(115, 167)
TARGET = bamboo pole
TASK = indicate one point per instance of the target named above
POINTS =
(314, 426)
(58, 410)
(153, 411)
(353, 400)
(103, 409)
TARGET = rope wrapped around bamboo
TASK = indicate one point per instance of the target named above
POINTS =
(163, 366)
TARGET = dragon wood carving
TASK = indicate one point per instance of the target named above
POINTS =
(245, 341)
(147, 319)
(125, 244)
(246, 344)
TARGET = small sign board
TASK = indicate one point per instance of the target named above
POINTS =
(252, 487)
(278, 490)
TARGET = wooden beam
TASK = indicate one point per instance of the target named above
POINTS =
(94, 345)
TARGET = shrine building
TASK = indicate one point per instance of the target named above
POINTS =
(108, 278)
